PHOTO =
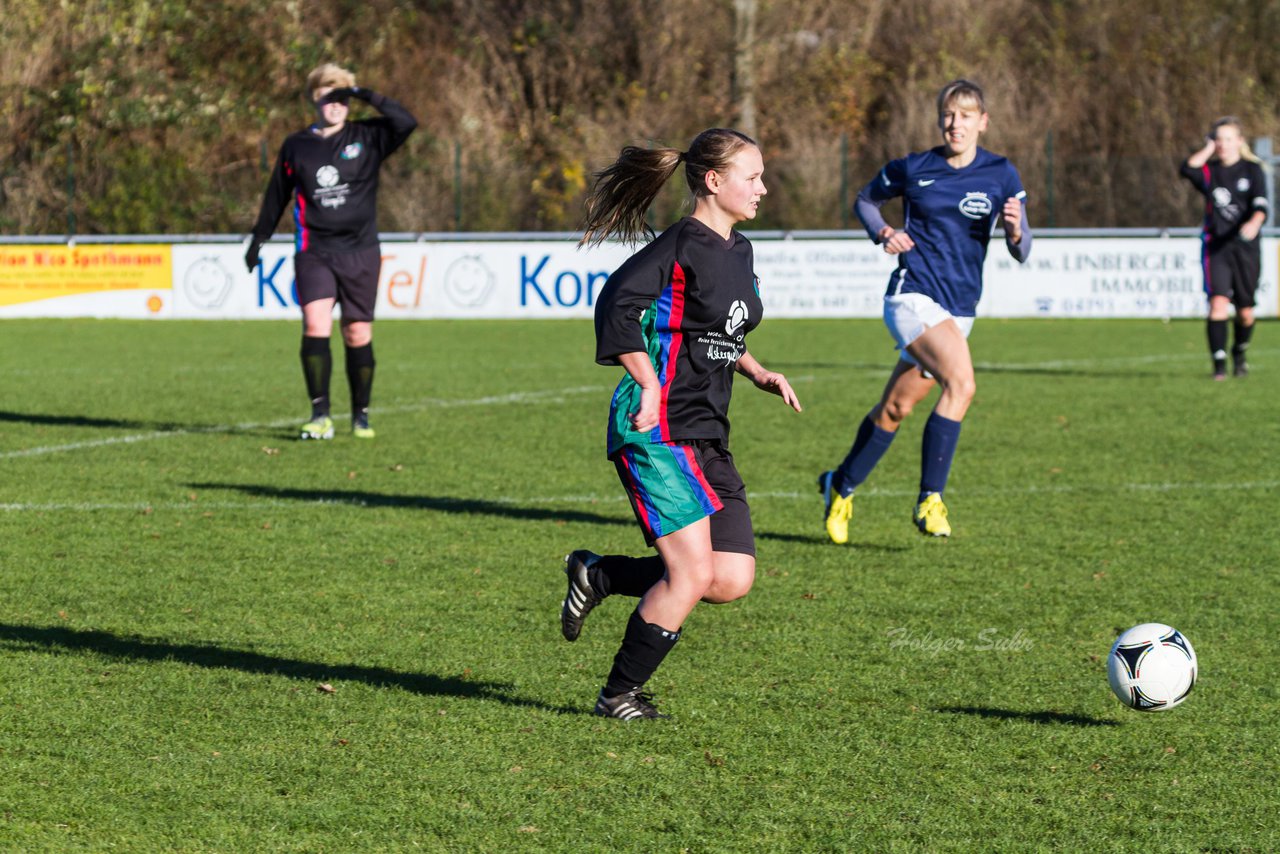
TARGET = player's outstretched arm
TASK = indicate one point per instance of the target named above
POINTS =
(770, 381)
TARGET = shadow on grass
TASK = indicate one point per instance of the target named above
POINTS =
(1032, 717)
(141, 649)
(446, 504)
(1047, 371)
(85, 421)
(439, 503)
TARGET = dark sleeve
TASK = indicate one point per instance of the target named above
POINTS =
(1198, 177)
(395, 124)
(885, 186)
(276, 198)
(625, 297)
(1258, 201)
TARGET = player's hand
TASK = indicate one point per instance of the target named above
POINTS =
(645, 418)
(346, 93)
(776, 383)
(896, 242)
(1012, 214)
(251, 254)
(1249, 231)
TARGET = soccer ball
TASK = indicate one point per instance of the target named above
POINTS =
(1152, 667)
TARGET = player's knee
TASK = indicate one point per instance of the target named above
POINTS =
(962, 388)
(731, 584)
(692, 583)
(896, 409)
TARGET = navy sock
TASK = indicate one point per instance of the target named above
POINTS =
(869, 446)
(644, 646)
(937, 450)
(626, 576)
(360, 366)
(317, 365)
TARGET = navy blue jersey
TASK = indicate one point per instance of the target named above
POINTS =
(950, 214)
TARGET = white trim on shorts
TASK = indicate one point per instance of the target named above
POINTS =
(908, 316)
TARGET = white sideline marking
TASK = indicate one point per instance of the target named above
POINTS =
(542, 501)
(548, 396)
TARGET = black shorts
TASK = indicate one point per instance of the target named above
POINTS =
(351, 278)
(674, 485)
(1232, 269)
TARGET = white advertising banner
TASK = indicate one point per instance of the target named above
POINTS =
(1110, 277)
(828, 277)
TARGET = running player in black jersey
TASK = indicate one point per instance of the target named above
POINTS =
(330, 172)
(675, 316)
(1235, 209)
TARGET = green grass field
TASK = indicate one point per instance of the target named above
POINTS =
(183, 583)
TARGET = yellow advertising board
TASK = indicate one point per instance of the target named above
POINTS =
(36, 273)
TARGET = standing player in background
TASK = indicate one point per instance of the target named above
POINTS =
(953, 196)
(675, 316)
(330, 171)
(1234, 189)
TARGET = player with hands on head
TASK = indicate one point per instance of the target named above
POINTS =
(330, 172)
(954, 197)
(675, 316)
(1231, 180)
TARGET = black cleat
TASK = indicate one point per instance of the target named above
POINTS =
(629, 706)
(1241, 368)
(581, 596)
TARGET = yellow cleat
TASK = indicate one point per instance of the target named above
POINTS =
(360, 427)
(838, 509)
(931, 516)
(317, 428)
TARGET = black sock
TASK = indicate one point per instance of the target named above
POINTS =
(317, 365)
(1218, 344)
(360, 365)
(626, 576)
(1242, 335)
(643, 647)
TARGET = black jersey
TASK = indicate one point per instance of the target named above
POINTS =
(333, 181)
(1232, 195)
(688, 299)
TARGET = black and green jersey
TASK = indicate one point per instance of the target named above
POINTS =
(688, 299)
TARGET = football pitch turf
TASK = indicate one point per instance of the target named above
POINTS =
(214, 637)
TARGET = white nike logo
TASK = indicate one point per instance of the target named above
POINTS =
(923, 183)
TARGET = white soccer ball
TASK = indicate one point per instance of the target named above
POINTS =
(1152, 667)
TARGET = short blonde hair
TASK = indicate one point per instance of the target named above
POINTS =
(961, 90)
(329, 75)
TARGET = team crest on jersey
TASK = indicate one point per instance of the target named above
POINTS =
(1242, 185)
(737, 317)
(326, 176)
(352, 151)
(975, 205)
